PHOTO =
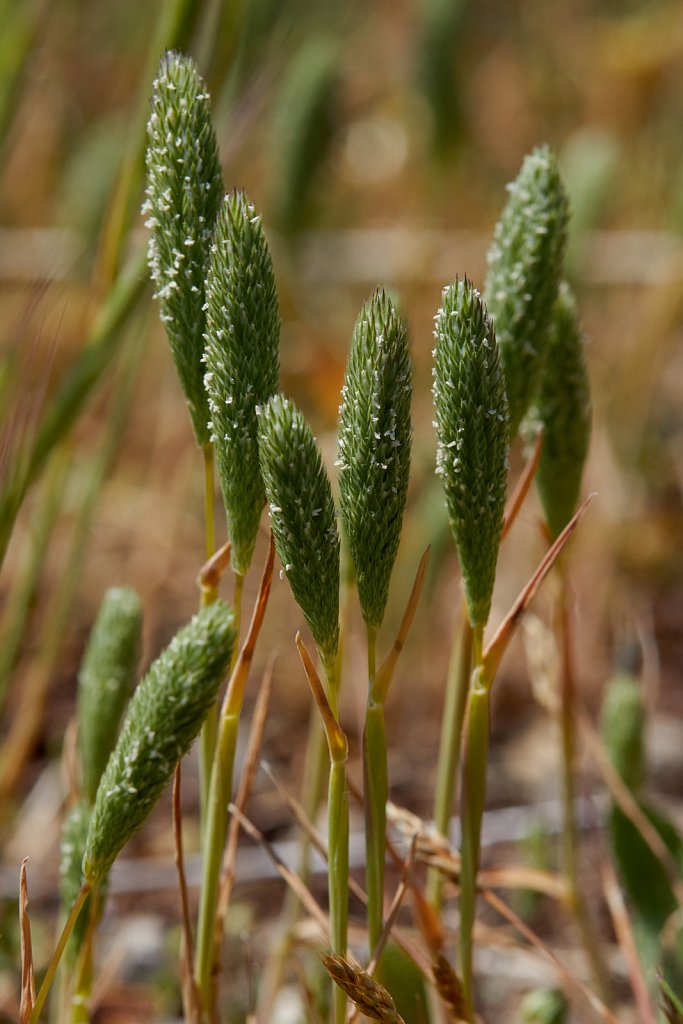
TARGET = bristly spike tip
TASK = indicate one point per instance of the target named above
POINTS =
(374, 448)
(242, 362)
(303, 519)
(184, 191)
(472, 429)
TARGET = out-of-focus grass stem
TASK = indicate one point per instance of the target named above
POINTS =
(570, 838)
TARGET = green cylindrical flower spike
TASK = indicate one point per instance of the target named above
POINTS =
(525, 269)
(106, 680)
(164, 716)
(374, 449)
(242, 362)
(303, 518)
(72, 845)
(562, 406)
(184, 191)
(472, 428)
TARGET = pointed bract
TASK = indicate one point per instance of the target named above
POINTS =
(303, 518)
(525, 269)
(562, 407)
(374, 448)
(164, 716)
(242, 362)
(472, 428)
(184, 191)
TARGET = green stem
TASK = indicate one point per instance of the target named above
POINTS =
(338, 870)
(216, 825)
(457, 685)
(570, 839)
(472, 811)
(214, 842)
(311, 796)
(375, 779)
(57, 955)
(80, 1010)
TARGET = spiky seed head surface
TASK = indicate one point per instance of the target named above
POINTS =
(184, 191)
(371, 998)
(71, 847)
(242, 362)
(472, 432)
(303, 518)
(374, 448)
(106, 680)
(562, 407)
(164, 716)
(524, 273)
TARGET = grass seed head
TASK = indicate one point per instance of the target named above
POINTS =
(525, 268)
(472, 430)
(242, 362)
(374, 448)
(184, 191)
(105, 681)
(562, 407)
(164, 716)
(303, 518)
(371, 998)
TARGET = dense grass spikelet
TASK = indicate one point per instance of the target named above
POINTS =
(106, 680)
(242, 362)
(374, 448)
(524, 272)
(184, 191)
(562, 407)
(164, 716)
(303, 518)
(472, 429)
